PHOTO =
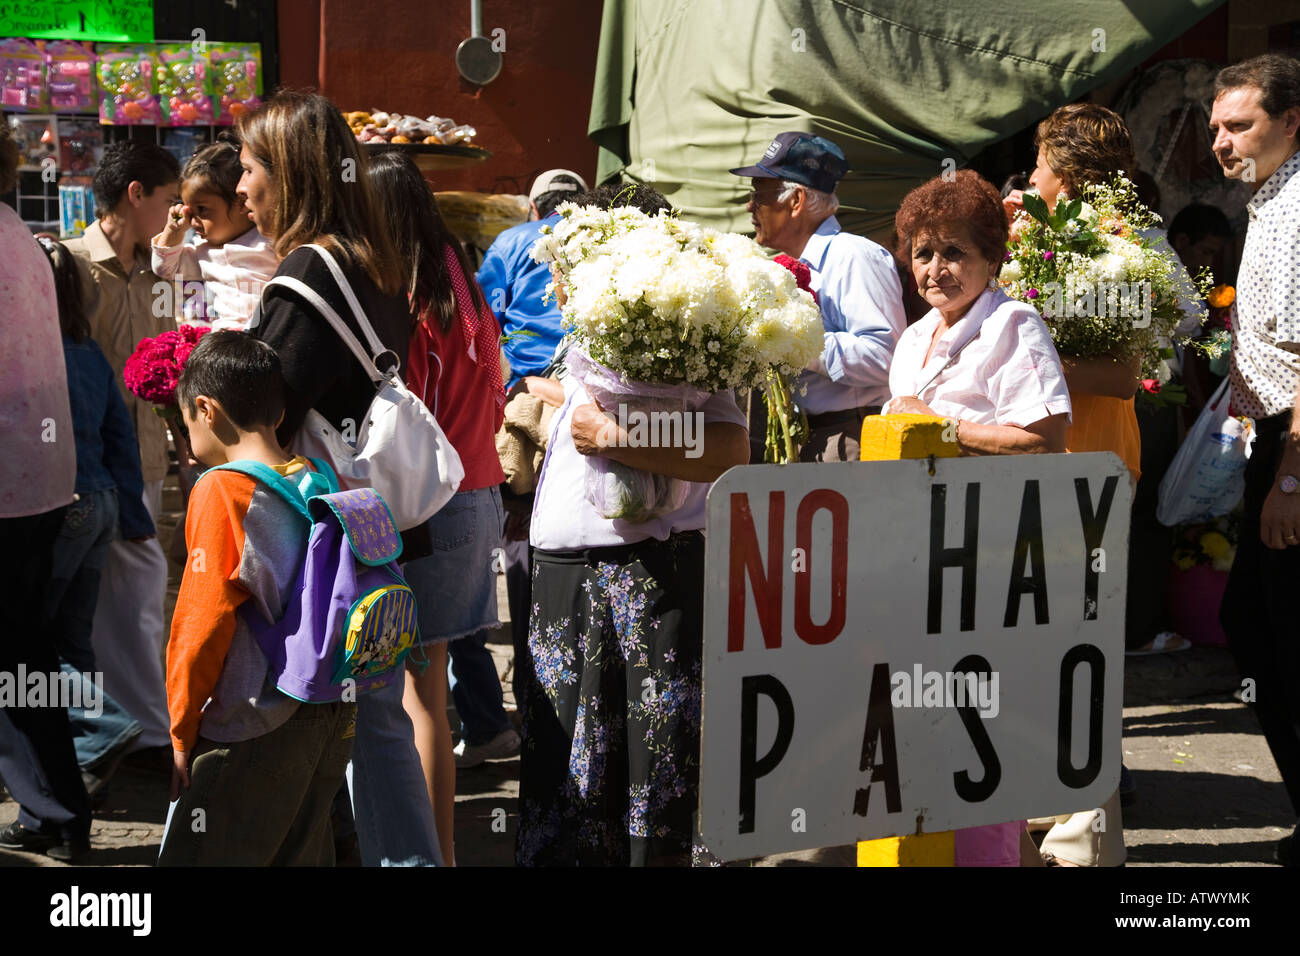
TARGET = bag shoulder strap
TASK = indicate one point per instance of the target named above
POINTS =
(280, 484)
(333, 318)
(377, 346)
(327, 472)
(369, 360)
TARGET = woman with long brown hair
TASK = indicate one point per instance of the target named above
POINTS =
(454, 368)
(304, 181)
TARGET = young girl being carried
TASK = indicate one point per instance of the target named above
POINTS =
(230, 261)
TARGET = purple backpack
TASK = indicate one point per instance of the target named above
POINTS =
(351, 620)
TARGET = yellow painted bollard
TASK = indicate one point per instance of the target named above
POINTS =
(891, 438)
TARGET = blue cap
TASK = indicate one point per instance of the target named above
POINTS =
(800, 158)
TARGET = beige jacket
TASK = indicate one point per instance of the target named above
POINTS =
(521, 442)
(121, 308)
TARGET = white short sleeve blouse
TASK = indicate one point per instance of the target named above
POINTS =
(1007, 373)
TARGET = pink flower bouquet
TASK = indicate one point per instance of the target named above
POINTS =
(155, 366)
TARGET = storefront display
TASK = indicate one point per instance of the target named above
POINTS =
(63, 97)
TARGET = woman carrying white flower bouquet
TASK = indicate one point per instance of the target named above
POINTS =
(611, 716)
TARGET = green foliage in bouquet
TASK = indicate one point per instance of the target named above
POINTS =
(1102, 288)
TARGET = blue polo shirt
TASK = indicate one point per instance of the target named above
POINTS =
(514, 285)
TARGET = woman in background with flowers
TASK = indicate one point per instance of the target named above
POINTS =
(1080, 145)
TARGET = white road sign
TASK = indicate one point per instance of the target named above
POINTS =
(889, 651)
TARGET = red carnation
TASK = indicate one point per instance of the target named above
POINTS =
(155, 366)
(1151, 385)
(802, 274)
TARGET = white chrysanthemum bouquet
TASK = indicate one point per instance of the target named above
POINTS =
(669, 311)
(1102, 287)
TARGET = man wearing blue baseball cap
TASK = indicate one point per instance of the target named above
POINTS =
(792, 206)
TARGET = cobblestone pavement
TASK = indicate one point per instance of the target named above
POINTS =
(1209, 791)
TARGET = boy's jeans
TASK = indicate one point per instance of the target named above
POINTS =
(389, 795)
(264, 801)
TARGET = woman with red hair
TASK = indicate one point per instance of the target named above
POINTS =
(984, 361)
(978, 357)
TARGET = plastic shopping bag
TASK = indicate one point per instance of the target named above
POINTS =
(618, 491)
(1207, 476)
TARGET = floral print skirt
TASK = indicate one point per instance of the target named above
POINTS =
(609, 772)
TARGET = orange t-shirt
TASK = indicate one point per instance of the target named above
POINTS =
(217, 582)
(1102, 423)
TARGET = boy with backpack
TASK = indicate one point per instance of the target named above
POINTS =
(257, 768)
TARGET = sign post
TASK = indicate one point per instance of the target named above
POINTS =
(890, 438)
(905, 647)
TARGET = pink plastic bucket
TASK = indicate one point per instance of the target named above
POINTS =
(1194, 597)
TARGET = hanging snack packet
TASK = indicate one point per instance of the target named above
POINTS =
(127, 85)
(71, 67)
(183, 86)
(236, 79)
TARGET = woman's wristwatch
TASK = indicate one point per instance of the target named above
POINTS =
(1288, 484)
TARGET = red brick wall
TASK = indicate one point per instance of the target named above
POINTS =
(1207, 40)
(399, 55)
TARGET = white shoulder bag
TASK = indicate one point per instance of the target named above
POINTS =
(400, 450)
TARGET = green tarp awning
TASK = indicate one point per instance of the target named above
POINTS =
(686, 89)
